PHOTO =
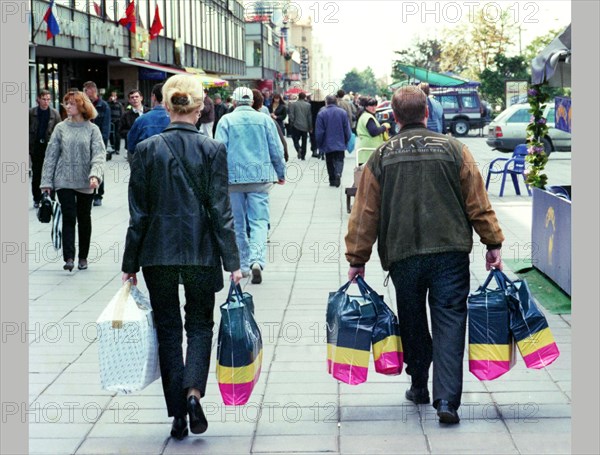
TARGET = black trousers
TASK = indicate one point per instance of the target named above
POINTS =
(100, 191)
(76, 208)
(179, 375)
(116, 137)
(335, 166)
(298, 135)
(443, 279)
(37, 163)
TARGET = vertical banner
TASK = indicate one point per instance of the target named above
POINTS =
(562, 113)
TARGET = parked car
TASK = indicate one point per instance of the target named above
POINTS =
(463, 110)
(509, 129)
(385, 114)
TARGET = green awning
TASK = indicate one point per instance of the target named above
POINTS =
(433, 78)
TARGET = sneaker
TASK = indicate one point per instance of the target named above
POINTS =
(418, 395)
(256, 273)
(97, 202)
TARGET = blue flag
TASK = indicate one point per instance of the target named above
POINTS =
(53, 28)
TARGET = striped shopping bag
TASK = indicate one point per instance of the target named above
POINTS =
(530, 327)
(239, 348)
(491, 345)
(350, 322)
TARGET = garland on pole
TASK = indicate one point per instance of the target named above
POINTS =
(536, 131)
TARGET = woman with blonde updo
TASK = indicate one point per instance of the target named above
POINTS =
(181, 226)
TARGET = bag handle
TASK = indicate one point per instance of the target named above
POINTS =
(501, 279)
(234, 289)
(117, 319)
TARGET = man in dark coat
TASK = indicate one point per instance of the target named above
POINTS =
(332, 134)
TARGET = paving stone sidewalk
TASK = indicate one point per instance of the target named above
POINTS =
(296, 407)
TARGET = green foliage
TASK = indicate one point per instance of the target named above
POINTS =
(362, 82)
(423, 53)
(492, 81)
(537, 96)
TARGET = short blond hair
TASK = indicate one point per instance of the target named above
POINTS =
(84, 105)
(183, 93)
(409, 103)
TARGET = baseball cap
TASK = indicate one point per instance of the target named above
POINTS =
(243, 95)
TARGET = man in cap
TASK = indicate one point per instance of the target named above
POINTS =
(255, 160)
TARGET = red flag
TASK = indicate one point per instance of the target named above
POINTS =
(98, 9)
(156, 26)
(281, 46)
(129, 20)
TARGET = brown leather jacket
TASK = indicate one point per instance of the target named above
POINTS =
(420, 193)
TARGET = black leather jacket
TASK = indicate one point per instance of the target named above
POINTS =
(169, 224)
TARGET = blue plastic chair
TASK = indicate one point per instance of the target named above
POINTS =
(513, 166)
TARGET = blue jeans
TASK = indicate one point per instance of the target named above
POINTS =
(251, 208)
(443, 280)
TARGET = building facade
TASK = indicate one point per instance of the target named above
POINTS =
(199, 36)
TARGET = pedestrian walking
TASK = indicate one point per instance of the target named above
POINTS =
(42, 121)
(103, 120)
(207, 117)
(220, 111)
(278, 110)
(73, 168)
(181, 225)
(255, 160)
(332, 134)
(135, 109)
(435, 118)
(300, 119)
(257, 105)
(420, 197)
(343, 101)
(149, 124)
(116, 114)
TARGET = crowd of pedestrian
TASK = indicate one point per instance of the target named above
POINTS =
(201, 173)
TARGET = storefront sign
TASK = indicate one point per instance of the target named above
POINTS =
(105, 34)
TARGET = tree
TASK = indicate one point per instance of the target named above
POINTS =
(363, 82)
(539, 43)
(423, 53)
(507, 68)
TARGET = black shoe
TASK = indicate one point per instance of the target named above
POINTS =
(418, 395)
(447, 413)
(69, 265)
(36, 204)
(256, 273)
(179, 429)
(83, 264)
(198, 422)
(97, 202)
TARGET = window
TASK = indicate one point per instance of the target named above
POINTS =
(521, 116)
(449, 101)
(470, 101)
(551, 117)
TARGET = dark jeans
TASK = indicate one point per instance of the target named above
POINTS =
(163, 287)
(335, 166)
(116, 137)
(37, 162)
(300, 148)
(76, 208)
(446, 277)
(313, 144)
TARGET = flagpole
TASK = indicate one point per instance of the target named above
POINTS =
(37, 31)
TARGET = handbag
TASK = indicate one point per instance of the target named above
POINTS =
(530, 327)
(44, 212)
(239, 348)
(491, 344)
(350, 321)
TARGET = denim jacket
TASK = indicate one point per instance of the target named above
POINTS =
(254, 150)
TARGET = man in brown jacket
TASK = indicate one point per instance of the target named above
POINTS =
(420, 197)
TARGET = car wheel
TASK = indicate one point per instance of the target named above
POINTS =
(460, 127)
(547, 146)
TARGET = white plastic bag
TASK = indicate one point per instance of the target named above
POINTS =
(128, 347)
